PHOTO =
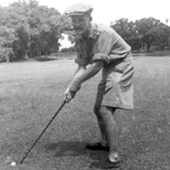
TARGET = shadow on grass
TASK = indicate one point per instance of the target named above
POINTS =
(75, 149)
(68, 148)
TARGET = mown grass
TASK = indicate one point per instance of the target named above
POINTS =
(31, 92)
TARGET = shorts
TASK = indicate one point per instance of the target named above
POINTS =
(116, 87)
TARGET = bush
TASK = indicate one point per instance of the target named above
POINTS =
(6, 55)
(70, 49)
(2, 55)
(2, 58)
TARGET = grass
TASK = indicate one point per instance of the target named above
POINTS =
(31, 92)
(153, 53)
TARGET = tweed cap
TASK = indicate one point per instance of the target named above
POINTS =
(79, 9)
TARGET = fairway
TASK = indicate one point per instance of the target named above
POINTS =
(31, 92)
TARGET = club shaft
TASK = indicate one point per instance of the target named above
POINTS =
(42, 132)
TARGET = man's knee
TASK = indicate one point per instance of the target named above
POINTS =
(103, 112)
(97, 111)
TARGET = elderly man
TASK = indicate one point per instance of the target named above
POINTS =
(101, 48)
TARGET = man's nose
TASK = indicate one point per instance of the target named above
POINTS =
(76, 24)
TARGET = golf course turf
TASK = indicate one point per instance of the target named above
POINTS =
(31, 92)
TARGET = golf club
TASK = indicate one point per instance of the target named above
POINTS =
(43, 132)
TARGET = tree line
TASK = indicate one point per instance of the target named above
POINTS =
(145, 33)
(28, 30)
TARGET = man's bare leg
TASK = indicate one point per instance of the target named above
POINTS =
(109, 127)
(104, 140)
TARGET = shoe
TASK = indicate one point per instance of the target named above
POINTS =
(107, 164)
(97, 146)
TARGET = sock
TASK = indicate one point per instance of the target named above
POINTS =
(114, 157)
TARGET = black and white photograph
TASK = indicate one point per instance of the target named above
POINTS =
(84, 85)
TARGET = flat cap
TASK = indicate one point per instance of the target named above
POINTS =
(79, 9)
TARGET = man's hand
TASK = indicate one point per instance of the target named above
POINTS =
(69, 95)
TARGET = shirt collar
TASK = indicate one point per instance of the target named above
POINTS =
(92, 30)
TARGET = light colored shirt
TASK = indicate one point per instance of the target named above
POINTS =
(103, 43)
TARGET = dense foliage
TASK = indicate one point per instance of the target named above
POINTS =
(28, 30)
(144, 33)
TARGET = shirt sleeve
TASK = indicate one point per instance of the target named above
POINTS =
(103, 47)
(110, 47)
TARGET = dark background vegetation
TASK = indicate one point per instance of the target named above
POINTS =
(28, 30)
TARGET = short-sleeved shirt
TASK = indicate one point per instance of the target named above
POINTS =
(103, 43)
(116, 86)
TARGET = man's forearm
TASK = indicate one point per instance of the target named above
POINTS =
(90, 72)
(83, 75)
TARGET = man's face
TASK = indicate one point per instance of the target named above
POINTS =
(81, 23)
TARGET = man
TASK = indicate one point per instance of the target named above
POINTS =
(102, 48)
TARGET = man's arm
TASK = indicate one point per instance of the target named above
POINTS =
(84, 74)
(81, 75)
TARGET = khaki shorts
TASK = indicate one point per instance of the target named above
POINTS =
(116, 87)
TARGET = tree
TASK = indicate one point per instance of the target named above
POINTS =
(128, 32)
(16, 18)
(145, 32)
(21, 45)
(45, 30)
(146, 28)
(7, 37)
(37, 28)
(159, 35)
